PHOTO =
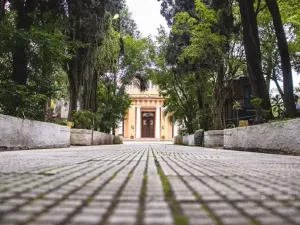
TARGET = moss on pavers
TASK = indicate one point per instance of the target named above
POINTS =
(115, 200)
(178, 216)
(205, 207)
(143, 195)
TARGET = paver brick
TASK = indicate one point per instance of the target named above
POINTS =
(121, 185)
(86, 219)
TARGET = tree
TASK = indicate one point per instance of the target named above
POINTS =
(2, 8)
(285, 58)
(178, 89)
(88, 22)
(113, 104)
(253, 53)
(119, 60)
(45, 52)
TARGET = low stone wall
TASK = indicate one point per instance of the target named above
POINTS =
(188, 140)
(178, 140)
(83, 137)
(277, 137)
(214, 138)
(16, 133)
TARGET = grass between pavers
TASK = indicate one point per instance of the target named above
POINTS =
(178, 217)
(204, 205)
(143, 195)
(88, 200)
(115, 200)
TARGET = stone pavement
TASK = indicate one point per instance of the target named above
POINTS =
(145, 184)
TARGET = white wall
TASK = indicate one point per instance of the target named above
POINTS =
(16, 133)
(278, 136)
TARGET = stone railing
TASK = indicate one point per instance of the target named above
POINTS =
(214, 138)
(87, 138)
(278, 137)
(283, 136)
(188, 140)
(16, 133)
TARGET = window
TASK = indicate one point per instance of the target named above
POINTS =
(247, 96)
(148, 114)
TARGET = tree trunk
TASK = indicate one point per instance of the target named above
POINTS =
(288, 87)
(113, 130)
(190, 128)
(253, 53)
(90, 86)
(201, 105)
(269, 78)
(218, 97)
(73, 103)
(73, 87)
(93, 103)
(20, 61)
(277, 84)
(2, 8)
(73, 68)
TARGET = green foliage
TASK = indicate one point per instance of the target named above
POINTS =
(278, 107)
(118, 140)
(106, 55)
(31, 103)
(178, 88)
(204, 46)
(120, 59)
(297, 89)
(46, 55)
(237, 105)
(136, 61)
(84, 119)
(113, 104)
(256, 101)
(60, 122)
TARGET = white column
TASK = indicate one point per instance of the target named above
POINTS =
(157, 122)
(138, 122)
(176, 128)
(120, 128)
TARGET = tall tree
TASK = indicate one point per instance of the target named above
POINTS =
(2, 8)
(285, 58)
(253, 53)
(88, 25)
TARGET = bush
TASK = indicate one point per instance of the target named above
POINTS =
(118, 140)
(61, 122)
(83, 119)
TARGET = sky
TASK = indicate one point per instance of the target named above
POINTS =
(146, 14)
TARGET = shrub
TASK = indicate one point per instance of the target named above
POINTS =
(84, 119)
(61, 122)
(118, 140)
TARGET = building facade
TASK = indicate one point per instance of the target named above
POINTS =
(145, 118)
(241, 91)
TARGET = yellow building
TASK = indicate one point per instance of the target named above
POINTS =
(145, 119)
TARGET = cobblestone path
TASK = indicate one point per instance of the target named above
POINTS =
(148, 184)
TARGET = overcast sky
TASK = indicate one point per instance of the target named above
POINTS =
(146, 14)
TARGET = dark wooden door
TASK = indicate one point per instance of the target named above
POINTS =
(148, 125)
